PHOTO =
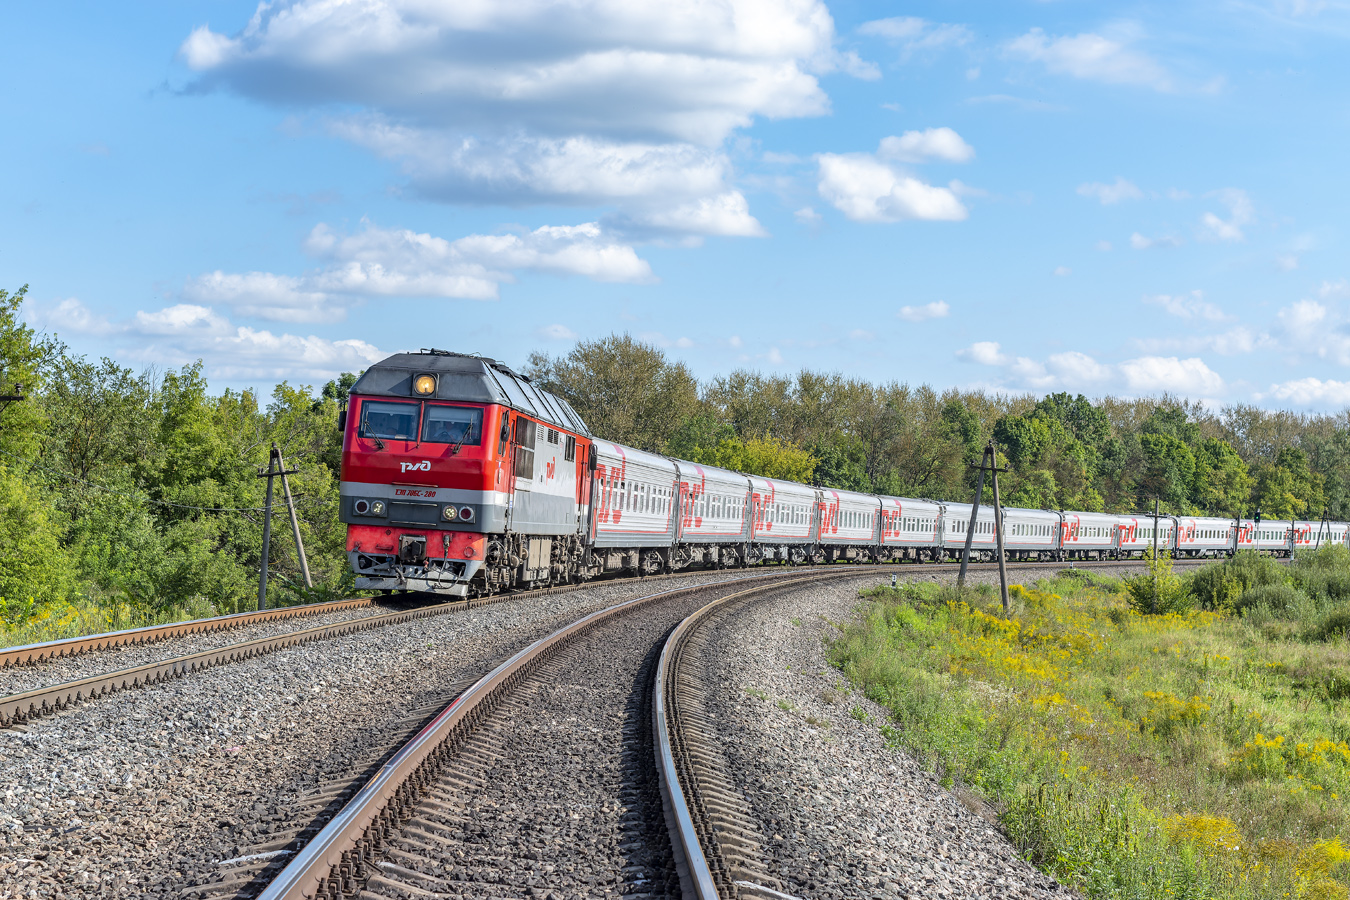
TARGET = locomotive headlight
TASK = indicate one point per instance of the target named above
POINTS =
(424, 384)
(361, 507)
(448, 513)
(377, 507)
(466, 513)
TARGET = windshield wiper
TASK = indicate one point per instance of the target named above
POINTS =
(459, 445)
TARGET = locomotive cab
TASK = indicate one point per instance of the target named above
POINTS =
(442, 468)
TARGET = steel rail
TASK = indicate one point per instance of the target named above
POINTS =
(18, 709)
(690, 824)
(31, 654)
(332, 863)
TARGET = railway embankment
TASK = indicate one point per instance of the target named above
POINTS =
(1201, 753)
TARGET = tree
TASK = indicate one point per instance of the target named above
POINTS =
(1287, 488)
(1169, 472)
(624, 390)
(767, 457)
(1221, 484)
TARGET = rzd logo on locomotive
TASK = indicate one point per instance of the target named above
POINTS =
(423, 466)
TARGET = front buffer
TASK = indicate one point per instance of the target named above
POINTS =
(388, 558)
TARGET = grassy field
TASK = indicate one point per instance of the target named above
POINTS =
(81, 617)
(1193, 753)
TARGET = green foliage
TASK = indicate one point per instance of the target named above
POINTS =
(33, 569)
(766, 457)
(1159, 590)
(624, 390)
(1323, 574)
(1220, 585)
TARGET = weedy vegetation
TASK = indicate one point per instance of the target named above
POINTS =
(1199, 751)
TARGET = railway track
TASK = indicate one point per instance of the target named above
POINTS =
(540, 775)
(32, 654)
(19, 709)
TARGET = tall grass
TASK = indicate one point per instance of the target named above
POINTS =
(1178, 755)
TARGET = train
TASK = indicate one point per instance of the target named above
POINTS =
(461, 477)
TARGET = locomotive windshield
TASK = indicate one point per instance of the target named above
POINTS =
(396, 421)
(453, 425)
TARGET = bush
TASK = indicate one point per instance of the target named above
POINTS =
(1159, 590)
(1219, 585)
(1335, 624)
(1278, 599)
(1323, 574)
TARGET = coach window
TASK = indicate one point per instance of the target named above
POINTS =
(452, 425)
(396, 421)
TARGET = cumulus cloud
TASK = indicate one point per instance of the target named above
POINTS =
(1169, 373)
(986, 353)
(1139, 242)
(930, 144)
(1240, 213)
(185, 332)
(807, 216)
(866, 189)
(378, 262)
(1108, 194)
(938, 309)
(1092, 57)
(520, 102)
(1192, 306)
(1310, 392)
(1073, 370)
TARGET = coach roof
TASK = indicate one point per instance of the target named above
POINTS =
(476, 379)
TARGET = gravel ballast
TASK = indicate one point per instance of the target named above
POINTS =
(843, 815)
(147, 791)
(17, 679)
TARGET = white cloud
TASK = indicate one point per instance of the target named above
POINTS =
(725, 214)
(1240, 213)
(180, 334)
(735, 341)
(1104, 246)
(1188, 306)
(1073, 367)
(1226, 343)
(807, 216)
(1139, 242)
(1110, 193)
(775, 357)
(401, 263)
(861, 334)
(1310, 392)
(868, 190)
(938, 309)
(1092, 57)
(556, 333)
(519, 101)
(915, 35)
(930, 144)
(1063, 271)
(69, 316)
(684, 343)
(1286, 262)
(986, 353)
(1169, 373)
(1334, 289)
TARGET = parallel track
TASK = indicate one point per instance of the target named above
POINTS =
(22, 708)
(31, 654)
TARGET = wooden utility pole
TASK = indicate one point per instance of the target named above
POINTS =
(1154, 605)
(989, 463)
(998, 532)
(276, 467)
(970, 527)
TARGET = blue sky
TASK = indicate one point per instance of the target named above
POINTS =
(1023, 196)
